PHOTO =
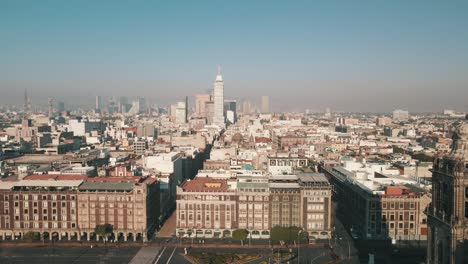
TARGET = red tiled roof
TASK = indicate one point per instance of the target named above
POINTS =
(115, 179)
(205, 184)
(57, 177)
(262, 140)
(397, 190)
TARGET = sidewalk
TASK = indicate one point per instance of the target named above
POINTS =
(169, 227)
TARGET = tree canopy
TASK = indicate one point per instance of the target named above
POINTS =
(240, 234)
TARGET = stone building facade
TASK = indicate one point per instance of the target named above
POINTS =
(256, 203)
(448, 215)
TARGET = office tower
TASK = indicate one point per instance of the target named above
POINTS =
(60, 106)
(265, 108)
(112, 106)
(400, 115)
(27, 103)
(209, 112)
(186, 109)
(218, 95)
(180, 113)
(246, 107)
(142, 105)
(200, 103)
(98, 104)
(230, 111)
(134, 108)
(51, 110)
(448, 216)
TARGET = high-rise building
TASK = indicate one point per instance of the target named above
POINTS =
(230, 111)
(200, 104)
(51, 108)
(246, 107)
(400, 115)
(265, 108)
(98, 107)
(448, 215)
(60, 106)
(218, 95)
(180, 113)
(209, 111)
(27, 103)
(142, 105)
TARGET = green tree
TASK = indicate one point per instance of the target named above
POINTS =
(398, 150)
(423, 157)
(286, 234)
(240, 234)
(104, 231)
(31, 236)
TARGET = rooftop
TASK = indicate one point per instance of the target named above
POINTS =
(205, 184)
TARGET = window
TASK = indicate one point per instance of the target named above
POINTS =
(400, 225)
(411, 205)
(401, 205)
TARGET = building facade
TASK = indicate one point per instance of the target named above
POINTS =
(448, 215)
(256, 203)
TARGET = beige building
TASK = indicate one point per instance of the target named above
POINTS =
(71, 206)
(208, 207)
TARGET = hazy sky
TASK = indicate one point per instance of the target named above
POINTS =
(348, 55)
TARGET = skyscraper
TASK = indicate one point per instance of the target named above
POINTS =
(60, 106)
(265, 104)
(218, 95)
(51, 109)
(200, 104)
(142, 105)
(98, 104)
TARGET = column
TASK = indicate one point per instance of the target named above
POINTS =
(125, 237)
(88, 236)
(68, 236)
(60, 236)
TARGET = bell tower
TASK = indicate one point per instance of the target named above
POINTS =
(448, 214)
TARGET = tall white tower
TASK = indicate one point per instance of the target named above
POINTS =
(218, 95)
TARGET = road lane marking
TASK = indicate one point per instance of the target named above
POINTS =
(170, 257)
(160, 254)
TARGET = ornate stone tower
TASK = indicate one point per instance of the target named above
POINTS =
(448, 215)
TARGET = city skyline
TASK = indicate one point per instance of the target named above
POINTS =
(303, 55)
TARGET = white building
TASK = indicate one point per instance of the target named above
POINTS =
(265, 104)
(400, 115)
(218, 95)
(180, 113)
